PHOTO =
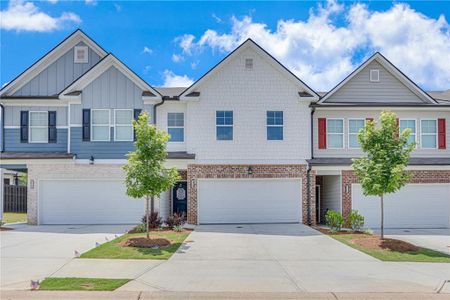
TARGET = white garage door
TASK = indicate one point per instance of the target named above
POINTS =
(87, 202)
(414, 206)
(249, 201)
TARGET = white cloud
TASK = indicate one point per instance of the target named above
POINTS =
(322, 52)
(90, 2)
(173, 80)
(216, 18)
(25, 16)
(53, 1)
(177, 58)
(147, 50)
(117, 7)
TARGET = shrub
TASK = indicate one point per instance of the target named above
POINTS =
(176, 220)
(356, 220)
(178, 228)
(139, 228)
(154, 220)
(334, 220)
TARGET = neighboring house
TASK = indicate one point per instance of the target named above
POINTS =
(248, 139)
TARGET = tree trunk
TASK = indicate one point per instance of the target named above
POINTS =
(382, 217)
(147, 217)
(152, 205)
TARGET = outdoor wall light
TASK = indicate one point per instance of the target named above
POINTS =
(347, 188)
(91, 160)
(250, 170)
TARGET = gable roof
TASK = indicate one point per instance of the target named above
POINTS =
(392, 69)
(76, 87)
(51, 56)
(305, 91)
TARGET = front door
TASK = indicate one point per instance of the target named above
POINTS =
(179, 196)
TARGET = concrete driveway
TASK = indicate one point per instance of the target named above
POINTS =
(281, 258)
(35, 252)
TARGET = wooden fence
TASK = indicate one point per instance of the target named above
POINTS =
(15, 199)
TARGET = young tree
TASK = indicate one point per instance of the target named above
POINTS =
(146, 175)
(382, 171)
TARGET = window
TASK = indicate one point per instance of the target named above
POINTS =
(123, 125)
(175, 127)
(81, 55)
(411, 124)
(354, 126)
(38, 127)
(224, 125)
(249, 63)
(335, 133)
(428, 134)
(100, 131)
(374, 75)
(274, 125)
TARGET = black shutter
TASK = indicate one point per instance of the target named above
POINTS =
(52, 126)
(24, 126)
(137, 112)
(86, 124)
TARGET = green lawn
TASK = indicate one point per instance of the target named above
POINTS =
(81, 284)
(112, 249)
(421, 255)
(14, 217)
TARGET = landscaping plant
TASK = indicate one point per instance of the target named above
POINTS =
(176, 220)
(382, 171)
(334, 220)
(154, 220)
(356, 220)
(146, 176)
(178, 228)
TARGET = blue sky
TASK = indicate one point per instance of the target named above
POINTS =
(173, 43)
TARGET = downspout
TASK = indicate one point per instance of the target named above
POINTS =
(308, 172)
(155, 107)
(2, 129)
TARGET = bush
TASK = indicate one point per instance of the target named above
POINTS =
(154, 220)
(356, 220)
(176, 220)
(334, 220)
(138, 229)
(178, 228)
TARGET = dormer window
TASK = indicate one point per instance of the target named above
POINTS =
(374, 75)
(81, 55)
(249, 63)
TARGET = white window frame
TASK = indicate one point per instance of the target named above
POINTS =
(29, 127)
(343, 133)
(109, 124)
(85, 49)
(215, 122)
(123, 125)
(372, 73)
(408, 119)
(436, 134)
(348, 131)
(282, 126)
(184, 123)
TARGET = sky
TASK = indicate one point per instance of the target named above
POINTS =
(174, 43)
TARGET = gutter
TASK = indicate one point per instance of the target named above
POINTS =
(308, 172)
(2, 129)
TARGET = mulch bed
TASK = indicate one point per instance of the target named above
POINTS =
(328, 231)
(376, 243)
(6, 229)
(143, 242)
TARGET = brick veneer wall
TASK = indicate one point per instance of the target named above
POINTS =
(196, 172)
(418, 176)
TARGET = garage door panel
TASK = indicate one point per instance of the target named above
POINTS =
(414, 206)
(87, 202)
(249, 201)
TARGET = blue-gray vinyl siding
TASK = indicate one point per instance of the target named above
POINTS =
(13, 144)
(99, 150)
(58, 75)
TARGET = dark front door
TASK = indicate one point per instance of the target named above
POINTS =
(179, 196)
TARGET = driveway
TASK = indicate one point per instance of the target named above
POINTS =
(281, 258)
(35, 252)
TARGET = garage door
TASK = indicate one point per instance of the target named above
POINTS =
(414, 206)
(249, 201)
(87, 202)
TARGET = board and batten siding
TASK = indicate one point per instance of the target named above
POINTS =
(12, 114)
(375, 114)
(58, 75)
(360, 89)
(13, 144)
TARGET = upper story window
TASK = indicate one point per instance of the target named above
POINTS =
(38, 127)
(224, 125)
(123, 125)
(249, 63)
(411, 124)
(335, 133)
(374, 75)
(175, 127)
(428, 134)
(81, 55)
(100, 131)
(275, 125)
(354, 126)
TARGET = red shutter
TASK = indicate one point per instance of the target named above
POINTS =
(441, 134)
(322, 133)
